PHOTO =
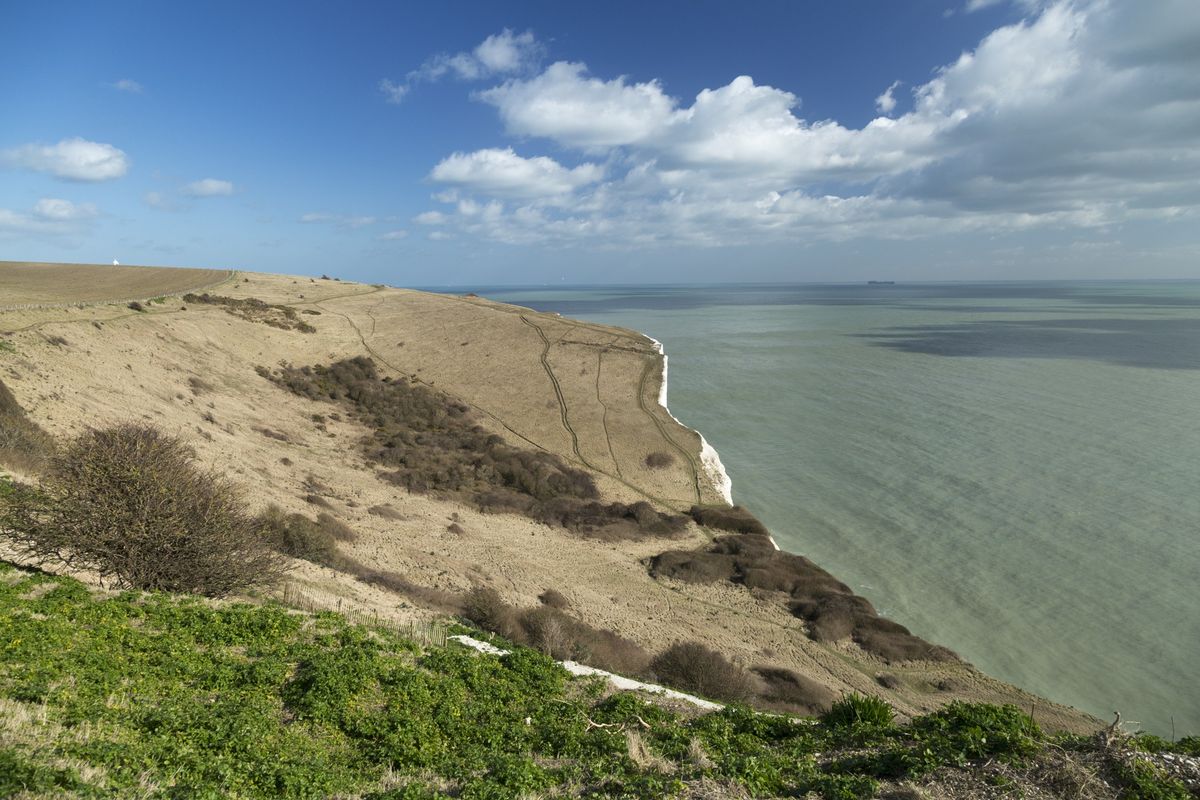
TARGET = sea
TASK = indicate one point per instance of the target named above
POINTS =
(1011, 470)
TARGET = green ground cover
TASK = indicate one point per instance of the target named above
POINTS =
(154, 695)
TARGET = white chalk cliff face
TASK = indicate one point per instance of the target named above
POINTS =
(714, 470)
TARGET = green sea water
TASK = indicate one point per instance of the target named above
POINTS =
(1011, 470)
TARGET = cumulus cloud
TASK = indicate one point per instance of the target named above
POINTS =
(886, 102)
(565, 104)
(71, 159)
(503, 53)
(127, 85)
(49, 215)
(1085, 113)
(431, 218)
(504, 173)
(208, 187)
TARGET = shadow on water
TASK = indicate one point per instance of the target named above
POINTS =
(1157, 343)
(958, 298)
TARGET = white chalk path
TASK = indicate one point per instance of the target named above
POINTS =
(582, 670)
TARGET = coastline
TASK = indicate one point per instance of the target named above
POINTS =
(710, 459)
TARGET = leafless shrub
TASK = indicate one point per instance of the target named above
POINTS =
(554, 599)
(58, 341)
(784, 690)
(130, 503)
(485, 607)
(199, 385)
(696, 668)
(728, 518)
(829, 607)
(317, 500)
(658, 460)
(455, 528)
(554, 632)
(887, 680)
(385, 511)
(136, 306)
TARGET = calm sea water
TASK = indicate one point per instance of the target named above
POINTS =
(1012, 470)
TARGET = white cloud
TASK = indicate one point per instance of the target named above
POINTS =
(566, 105)
(431, 218)
(506, 174)
(393, 92)
(438, 236)
(71, 159)
(340, 220)
(886, 102)
(977, 5)
(49, 216)
(393, 236)
(1084, 114)
(52, 208)
(503, 53)
(127, 85)
(208, 187)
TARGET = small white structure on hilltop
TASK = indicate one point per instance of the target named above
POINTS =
(116, 263)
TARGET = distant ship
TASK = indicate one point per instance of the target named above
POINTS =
(881, 283)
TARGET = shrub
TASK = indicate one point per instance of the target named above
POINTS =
(298, 536)
(130, 503)
(859, 710)
(696, 668)
(659, 460)
(485, 607)
(728, 518)
(785, 690)
(554, 599)
(136, 306)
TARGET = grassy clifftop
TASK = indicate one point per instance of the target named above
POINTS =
(153, 695)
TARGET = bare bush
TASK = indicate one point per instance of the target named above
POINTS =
(554, 599)
(658, 460)
(696, 668)
(784, 690)
(130, 503)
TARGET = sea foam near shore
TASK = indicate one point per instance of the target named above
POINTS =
(710, 460)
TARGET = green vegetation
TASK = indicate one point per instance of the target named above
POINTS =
(130, 504)
(150, 695)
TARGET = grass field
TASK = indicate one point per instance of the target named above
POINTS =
(32, 283)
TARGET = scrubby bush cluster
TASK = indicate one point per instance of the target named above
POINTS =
(254, 310)
(832, 611)
(130, 504)
(23, 443)
(554, 632)
(694, 667)
(429, 442)
(157, 696)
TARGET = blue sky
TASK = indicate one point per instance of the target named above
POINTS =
(490, 143)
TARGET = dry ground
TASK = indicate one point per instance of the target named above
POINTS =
(586, 392)
(32, 283)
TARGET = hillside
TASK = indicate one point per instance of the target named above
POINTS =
(612, 529)
(147, 695)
